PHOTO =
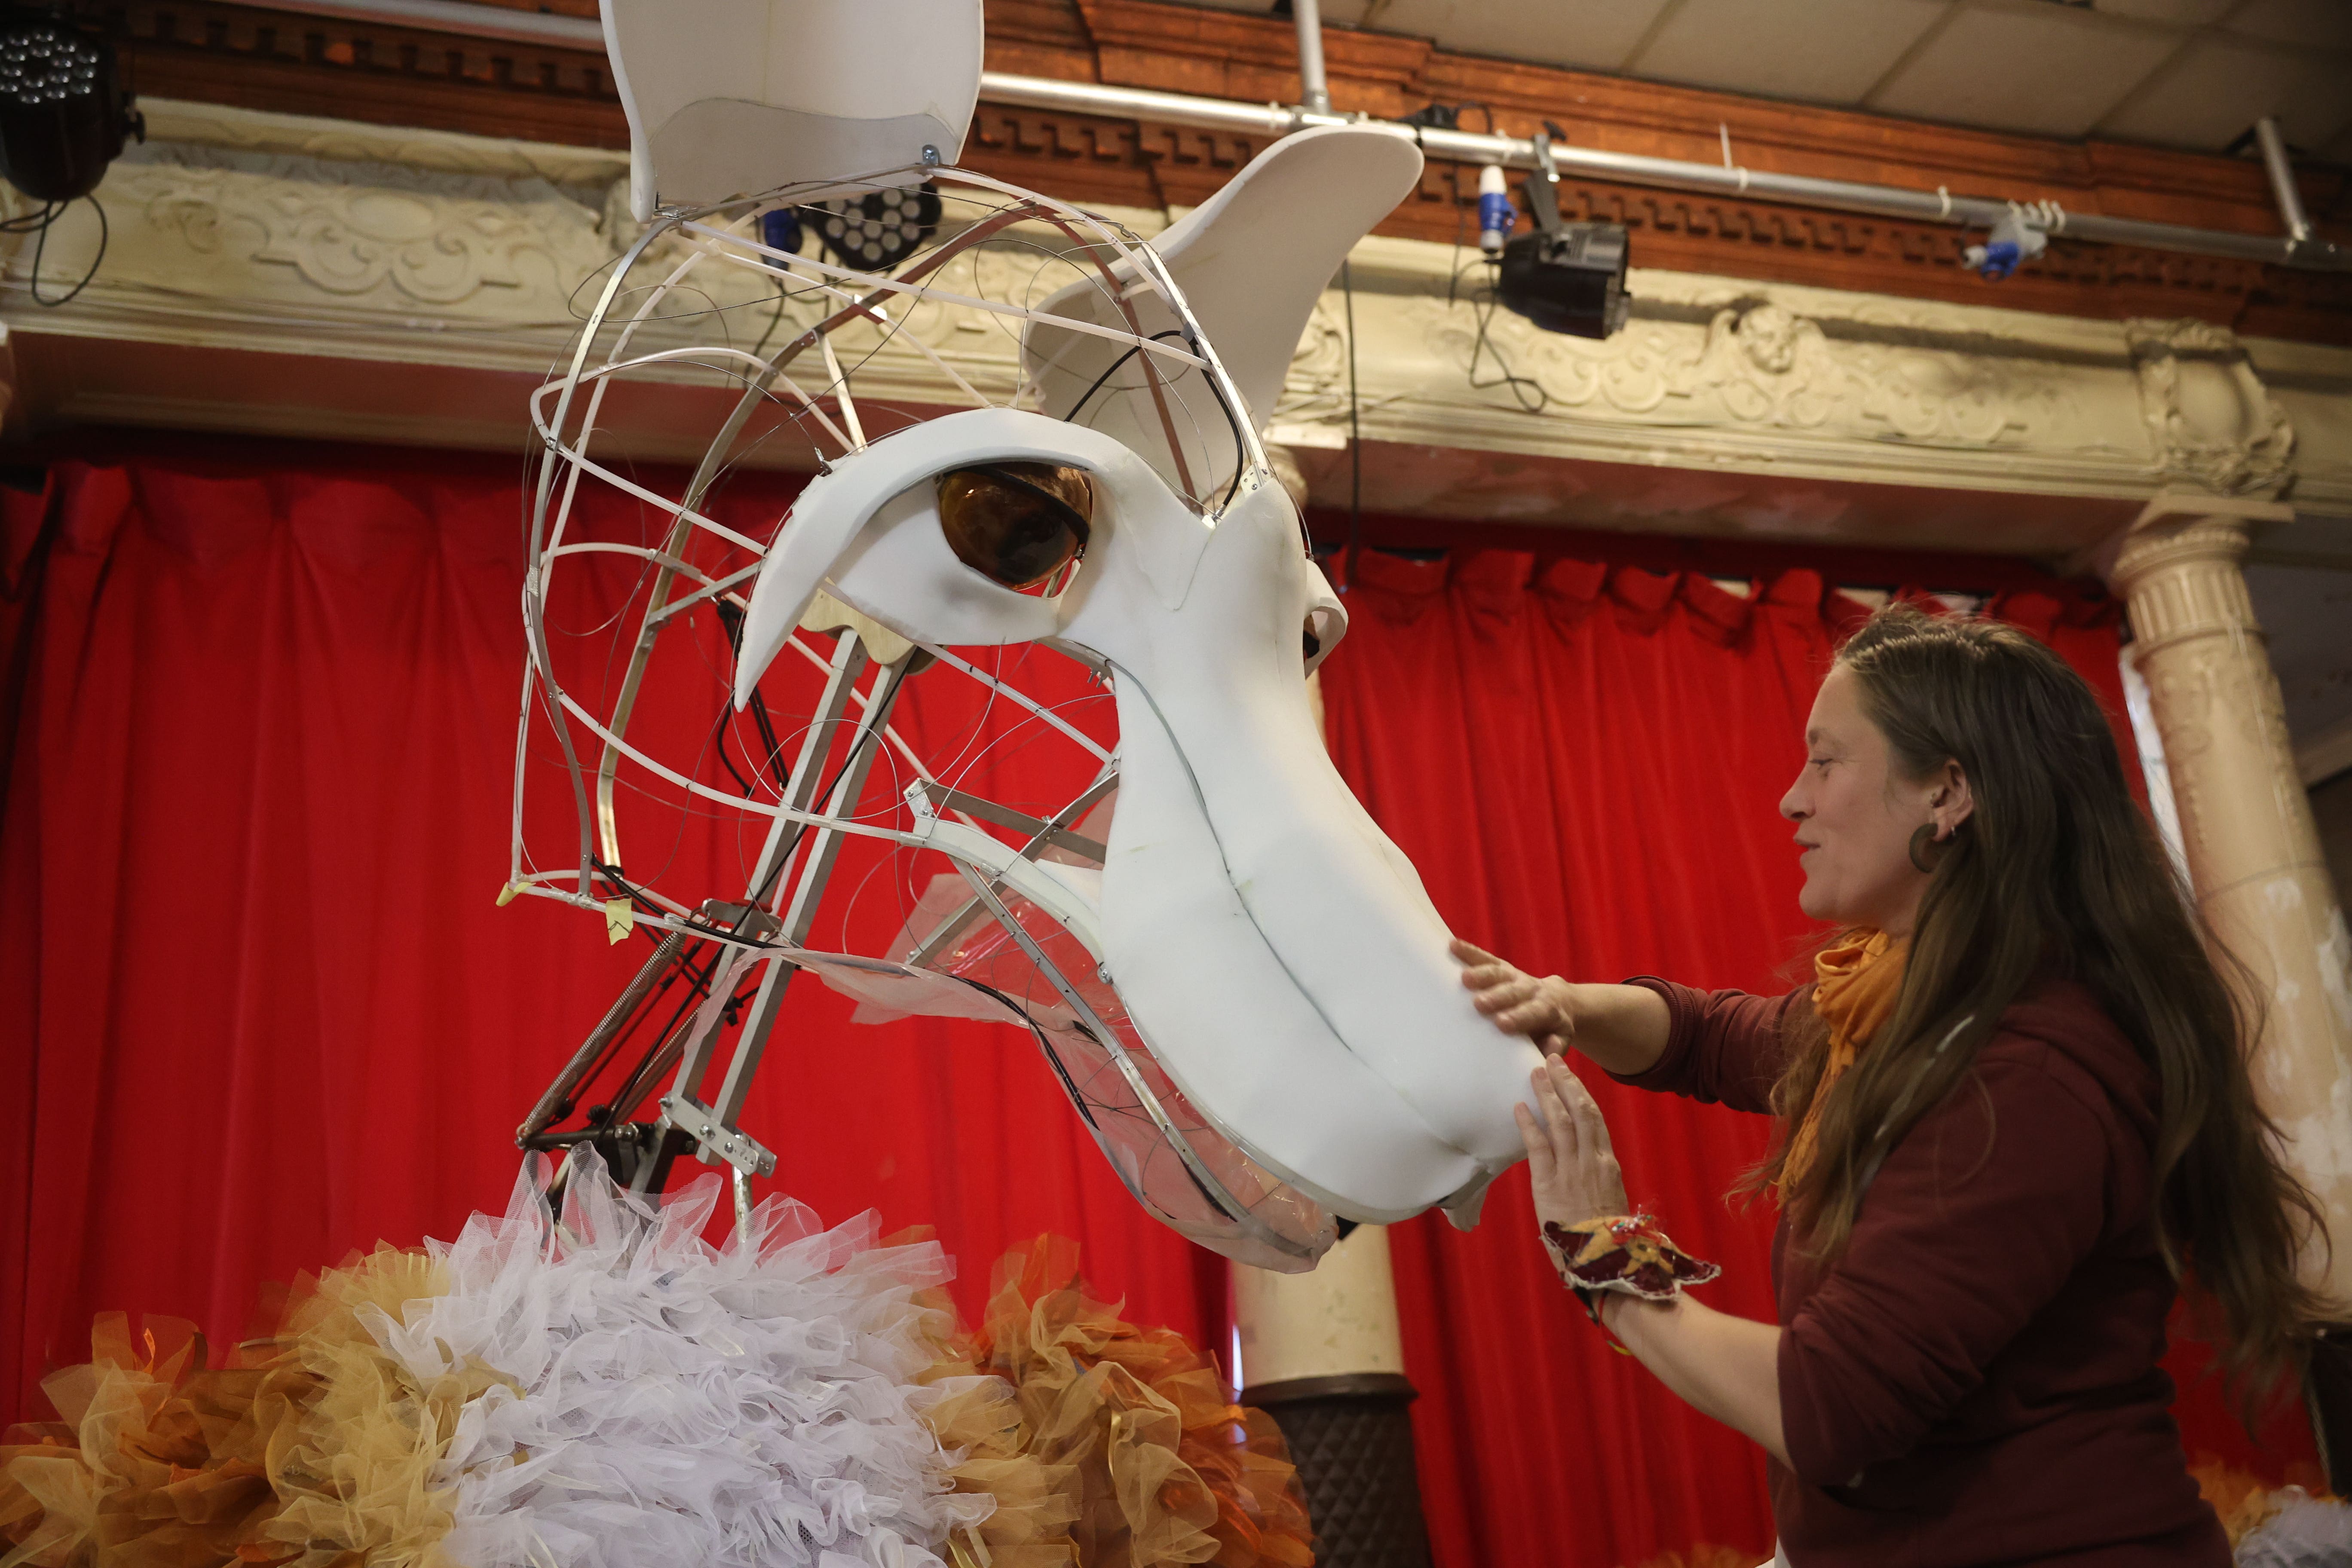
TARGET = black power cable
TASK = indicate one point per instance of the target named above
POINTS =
(38, 224)
(1087, 396)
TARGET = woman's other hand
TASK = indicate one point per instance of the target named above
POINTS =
(1571, 1169)
(1519, 1003)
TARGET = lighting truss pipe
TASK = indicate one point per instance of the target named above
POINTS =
(2282, 172)
(1512, 152)
(460, 17)
(1272, 120)
(1314, 90)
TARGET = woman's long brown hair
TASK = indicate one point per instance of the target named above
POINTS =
(2058, 872)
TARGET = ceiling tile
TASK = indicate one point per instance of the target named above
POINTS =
(2209, 97)
(2050, 71)
(1549, 32)
(2325, 24)
(2176, 13)
(1827, 51)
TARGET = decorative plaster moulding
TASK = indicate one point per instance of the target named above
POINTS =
(319, 243)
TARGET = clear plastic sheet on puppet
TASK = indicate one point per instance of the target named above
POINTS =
(1145, 1158)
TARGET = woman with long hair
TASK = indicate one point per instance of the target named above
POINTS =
(2015, 1121)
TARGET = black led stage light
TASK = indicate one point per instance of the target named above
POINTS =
(877, 230)
(1565, 276)
(63, 113)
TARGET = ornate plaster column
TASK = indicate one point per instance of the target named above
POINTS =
(1324, 1358)
(2246, 826)
(2255, 858)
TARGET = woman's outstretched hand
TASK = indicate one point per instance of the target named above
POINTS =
(1519, 1003)
(1571, 1169)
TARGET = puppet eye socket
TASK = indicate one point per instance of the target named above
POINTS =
(1016, 523)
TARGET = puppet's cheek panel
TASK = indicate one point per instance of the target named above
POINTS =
(1229, 1023)
(1339, 906)
(1373, 961)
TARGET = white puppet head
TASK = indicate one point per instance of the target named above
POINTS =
(1234, 975)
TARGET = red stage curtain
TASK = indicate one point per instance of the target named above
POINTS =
(258, 1007)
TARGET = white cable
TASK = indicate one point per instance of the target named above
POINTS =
(1013, 694)
(924, 290)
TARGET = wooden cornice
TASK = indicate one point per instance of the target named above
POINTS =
(211, 51)
(378, 74)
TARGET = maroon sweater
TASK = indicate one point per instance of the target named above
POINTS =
(1975, 1381)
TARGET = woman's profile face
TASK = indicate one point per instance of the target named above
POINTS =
(1854, 817)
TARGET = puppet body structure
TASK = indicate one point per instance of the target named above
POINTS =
(1269, 948)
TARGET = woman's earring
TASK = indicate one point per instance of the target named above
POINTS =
(1923, 840)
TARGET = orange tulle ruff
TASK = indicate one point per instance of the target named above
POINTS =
(306, 1447)
(1169, 1468)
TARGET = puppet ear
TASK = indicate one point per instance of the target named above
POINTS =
(885, 536)
(729, 98)
(1251, 262)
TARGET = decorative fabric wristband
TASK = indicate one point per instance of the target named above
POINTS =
(1627, 1253)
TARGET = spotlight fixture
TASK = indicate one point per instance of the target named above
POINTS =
(880, 229)
(780, 229)
(2020, 237)
(1565, 276)
(63, 113)
(1497, 215)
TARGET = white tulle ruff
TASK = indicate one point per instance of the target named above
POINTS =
(2304, 1532)
(677, 1404)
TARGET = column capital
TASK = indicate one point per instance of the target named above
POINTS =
(2178, 527)
(2176, 543)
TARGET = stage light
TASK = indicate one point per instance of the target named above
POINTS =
(1497, 217)
(63, 113)
(2021, 235)
(1566, 277)
(877, 230)
(780, 229)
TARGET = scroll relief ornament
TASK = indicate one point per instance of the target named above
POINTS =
(2211, 421)
(1315, 391)
(355, 230)
(1764, 365)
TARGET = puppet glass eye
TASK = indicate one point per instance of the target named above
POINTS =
(1016, 523)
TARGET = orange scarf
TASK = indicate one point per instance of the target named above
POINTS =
(1856, 983)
